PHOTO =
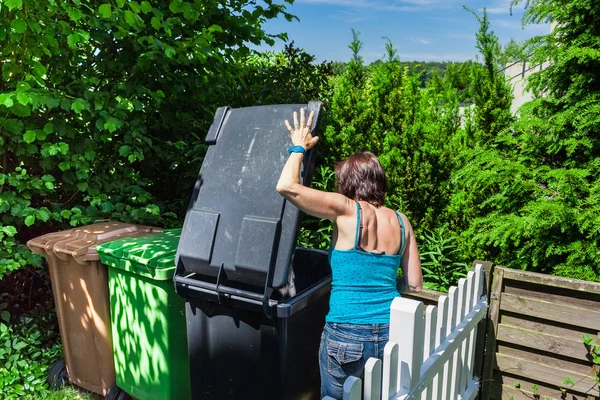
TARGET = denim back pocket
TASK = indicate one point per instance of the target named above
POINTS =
(343, 358)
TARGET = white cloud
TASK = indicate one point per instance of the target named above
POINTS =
(349, 16)
(420, 40)
(388, 5)
(503, 7)
(536, 29)
(371, 4)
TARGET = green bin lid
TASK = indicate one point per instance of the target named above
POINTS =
(150, 256)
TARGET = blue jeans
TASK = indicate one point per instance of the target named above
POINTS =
(344, 351)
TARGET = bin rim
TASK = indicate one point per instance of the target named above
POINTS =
(160, 265)
(80, 243)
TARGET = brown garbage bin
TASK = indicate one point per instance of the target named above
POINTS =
(80, 289)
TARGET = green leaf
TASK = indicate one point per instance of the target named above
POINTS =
(43, 215)
(5, 315)
(63, 147)
(23, 86)
(79, 105)
(105, 10)
(29, 137)
(49, 128)
(112, 124)
(190, 14)
(38, 68)
(51, 102)
(175, 6)
(65, 214)
(124, 150)
(146, 7)
(156, 24)
(10, 231)
(135, 7)
(12, 4)
(23, 98)
(65, 165)
(129, 17)
(169, 51)
(89, 155)
(72, 40)
(75, 14)
(82, 186)
(106, 207)
(49, 185)
(5, 99)
(18, 25)
(20, 110)
(30, 220)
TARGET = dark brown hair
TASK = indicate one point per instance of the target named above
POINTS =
(361, 178)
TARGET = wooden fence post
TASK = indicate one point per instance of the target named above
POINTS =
(442, 320)
(492, 331)
(430, 342)
(389, 385)
(372, 389)
(407, 328)
(482, 327)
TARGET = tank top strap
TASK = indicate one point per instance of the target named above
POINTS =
(358, 226)
(403, 234)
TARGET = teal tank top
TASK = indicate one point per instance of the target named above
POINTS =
(363, 284)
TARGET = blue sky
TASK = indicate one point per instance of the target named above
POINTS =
(422, 30)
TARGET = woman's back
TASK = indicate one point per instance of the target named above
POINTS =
(364, 275)
(381, 230)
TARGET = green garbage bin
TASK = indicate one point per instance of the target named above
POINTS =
(147, 317)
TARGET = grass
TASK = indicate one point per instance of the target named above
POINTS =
(67, 393)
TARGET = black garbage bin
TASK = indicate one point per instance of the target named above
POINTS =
(255, 304)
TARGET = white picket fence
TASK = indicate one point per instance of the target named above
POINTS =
(430, 354)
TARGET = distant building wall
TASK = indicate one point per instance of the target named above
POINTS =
(517, 75)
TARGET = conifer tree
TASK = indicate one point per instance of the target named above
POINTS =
(541, 176)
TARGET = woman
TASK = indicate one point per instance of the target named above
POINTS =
(370, 242)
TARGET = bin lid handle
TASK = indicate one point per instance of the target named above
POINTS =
(101, 220)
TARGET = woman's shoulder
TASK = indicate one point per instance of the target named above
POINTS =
(391, 212)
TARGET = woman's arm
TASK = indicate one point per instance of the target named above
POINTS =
(411, 260)
(311, 201)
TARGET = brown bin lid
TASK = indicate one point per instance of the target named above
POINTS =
(80, 243)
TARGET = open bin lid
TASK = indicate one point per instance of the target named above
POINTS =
(237, 223)
(149, 256)
(80, 243)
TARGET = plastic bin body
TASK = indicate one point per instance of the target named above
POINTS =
(148, 317)
(80, 290)
(236, 352)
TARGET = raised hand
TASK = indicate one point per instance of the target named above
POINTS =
(301, 134)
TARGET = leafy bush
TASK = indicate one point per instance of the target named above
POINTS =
(103, 107)
(27, 348)
(439, 259)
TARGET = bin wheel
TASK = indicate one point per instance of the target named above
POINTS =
(57, 375)
(116, 393)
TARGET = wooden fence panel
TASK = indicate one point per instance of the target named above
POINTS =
(534, 340)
